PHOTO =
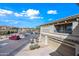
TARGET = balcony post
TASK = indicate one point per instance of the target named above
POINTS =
(46, 40)
(75, 27)
(40, 37)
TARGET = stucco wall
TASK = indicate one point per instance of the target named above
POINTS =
(48, 29)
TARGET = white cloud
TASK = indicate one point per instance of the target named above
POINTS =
(17, 14)
(10, 21)
(3, 12)
(31, 12)
(36, 17)
(52, 12)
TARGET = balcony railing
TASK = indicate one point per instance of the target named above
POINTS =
(63, 36)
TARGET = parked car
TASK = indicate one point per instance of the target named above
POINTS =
(14, 37)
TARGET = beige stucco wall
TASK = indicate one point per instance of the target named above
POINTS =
(48, 29)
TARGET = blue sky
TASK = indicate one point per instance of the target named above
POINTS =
(34, 14)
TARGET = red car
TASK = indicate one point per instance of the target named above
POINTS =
(14, 37)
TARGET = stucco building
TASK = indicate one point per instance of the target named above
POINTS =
(23, 30)
(65, 32)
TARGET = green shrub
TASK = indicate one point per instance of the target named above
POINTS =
(32, 47)
(8, 32)
(35, 46)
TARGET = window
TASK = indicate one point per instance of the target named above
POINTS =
(69, 28)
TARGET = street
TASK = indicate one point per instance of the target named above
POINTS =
(11, 47)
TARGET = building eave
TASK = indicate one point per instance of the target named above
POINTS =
(62, 19)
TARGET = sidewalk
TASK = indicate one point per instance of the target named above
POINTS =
(42, 51)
